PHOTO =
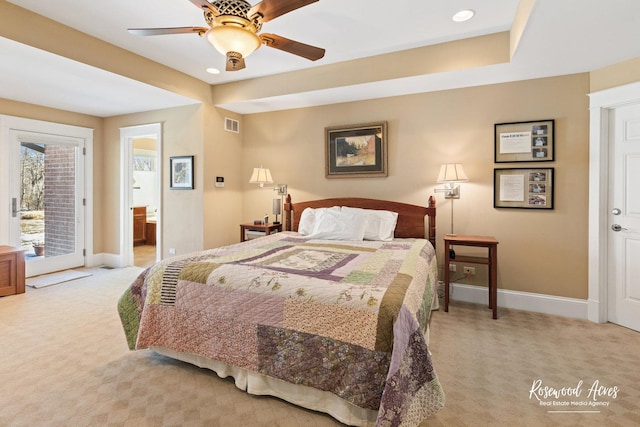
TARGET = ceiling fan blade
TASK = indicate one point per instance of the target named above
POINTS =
(271, 9)
(204, 4)
(162, 31)
(306, 51)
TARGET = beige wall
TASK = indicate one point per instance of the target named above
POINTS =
(190, 219)
(182, 210)
(615, 75)
(223, 152)
(541, 252)
(206, 217)
(433, 59)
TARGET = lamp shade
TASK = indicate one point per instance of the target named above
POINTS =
(452, 172)
(276, 207)
(230, 38)
(261, 176)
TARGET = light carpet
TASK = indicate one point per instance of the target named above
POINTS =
(64, 362)
(45, 280)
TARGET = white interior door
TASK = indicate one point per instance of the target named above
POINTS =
(624, 218)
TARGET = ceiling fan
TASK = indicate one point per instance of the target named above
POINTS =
(234, 27)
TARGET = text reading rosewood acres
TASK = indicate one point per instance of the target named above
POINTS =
(594, 395)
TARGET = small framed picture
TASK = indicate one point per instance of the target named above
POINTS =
(524, 141)
(356, 151)
(523, 188)
(181, 173)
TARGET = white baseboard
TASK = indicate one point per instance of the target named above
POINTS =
(110, 260)
(539, 303)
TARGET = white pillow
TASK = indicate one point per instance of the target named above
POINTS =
(307, 221)
(381, 225)
(335, 224)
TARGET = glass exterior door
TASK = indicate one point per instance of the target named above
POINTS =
(47, 207)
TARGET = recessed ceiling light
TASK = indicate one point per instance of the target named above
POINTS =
(213, 71)
(463, 15)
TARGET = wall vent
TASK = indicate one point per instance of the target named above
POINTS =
(231, 125)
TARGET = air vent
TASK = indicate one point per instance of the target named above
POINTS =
(231, 125)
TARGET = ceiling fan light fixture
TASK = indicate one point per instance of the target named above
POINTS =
(234, 29)
(230, 38)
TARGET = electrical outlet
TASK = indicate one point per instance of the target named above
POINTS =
(172, 251)
(469, 270)
(452, 268)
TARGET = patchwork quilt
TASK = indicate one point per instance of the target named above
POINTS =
(344, 317)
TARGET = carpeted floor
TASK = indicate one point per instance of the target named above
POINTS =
(64, 362)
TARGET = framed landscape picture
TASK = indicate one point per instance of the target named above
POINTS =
(356, 151)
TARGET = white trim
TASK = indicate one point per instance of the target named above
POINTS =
(39, 126)
(126, 218)
(600, 104)
(110, 260)
(88, 195)
(126, 173)
(539, 303)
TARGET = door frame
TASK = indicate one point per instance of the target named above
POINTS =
(8, 123)
(601, 104)
(127, 135)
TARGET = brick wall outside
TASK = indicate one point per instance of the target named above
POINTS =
(59, 200)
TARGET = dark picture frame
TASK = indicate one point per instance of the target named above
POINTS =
(532, 141)
(181, 173)
(525, 188)
(356, 151)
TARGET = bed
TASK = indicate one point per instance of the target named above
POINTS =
(330, 324)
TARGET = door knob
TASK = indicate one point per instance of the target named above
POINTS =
(616, 211)
(618, 227)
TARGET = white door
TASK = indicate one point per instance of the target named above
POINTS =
(624, 218)
(42, 192)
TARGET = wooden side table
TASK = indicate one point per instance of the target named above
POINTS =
(266, 228)
(491, 260)
(11, 271)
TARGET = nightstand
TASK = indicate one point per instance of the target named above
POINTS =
(264, 228)
(11, 271)
(491, 261)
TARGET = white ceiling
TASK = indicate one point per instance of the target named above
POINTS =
(561, 37)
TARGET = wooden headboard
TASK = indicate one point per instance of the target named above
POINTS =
(411, 218)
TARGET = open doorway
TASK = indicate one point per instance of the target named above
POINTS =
(141, 194)
(145, 200)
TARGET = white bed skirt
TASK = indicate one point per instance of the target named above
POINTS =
(301, 395)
